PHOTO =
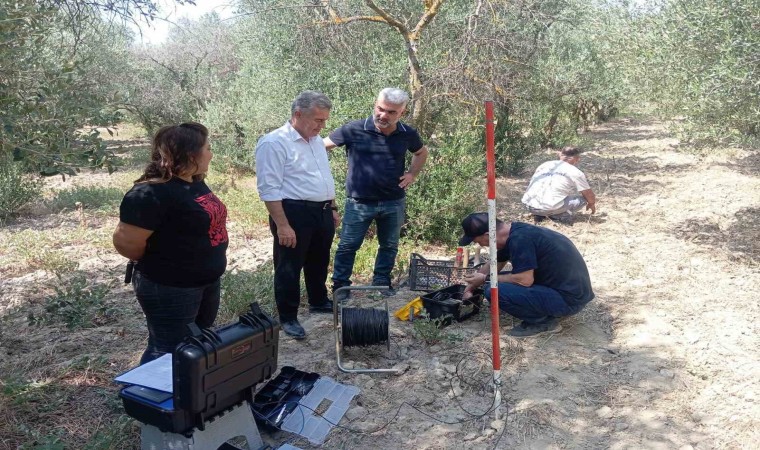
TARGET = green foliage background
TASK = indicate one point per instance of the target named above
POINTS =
(70, 67)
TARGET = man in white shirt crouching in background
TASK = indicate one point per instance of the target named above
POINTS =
(558, 189)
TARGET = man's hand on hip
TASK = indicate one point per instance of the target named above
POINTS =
(406, 180)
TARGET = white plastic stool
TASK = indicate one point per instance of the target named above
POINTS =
(238, 422)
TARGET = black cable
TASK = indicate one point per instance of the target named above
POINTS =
(363, 327)
(474, 416)
(398, 410)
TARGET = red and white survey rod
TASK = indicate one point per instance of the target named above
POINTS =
(491, 170)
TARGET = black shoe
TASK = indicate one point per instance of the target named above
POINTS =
(341, 296)
(388, 291)
(293, 328)
(535, 329)
(326, 307)
(564, 219)
(538, 219)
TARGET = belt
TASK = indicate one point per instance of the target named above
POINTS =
(325, 204)
(375, 202)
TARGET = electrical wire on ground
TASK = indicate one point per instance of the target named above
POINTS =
(474, 416)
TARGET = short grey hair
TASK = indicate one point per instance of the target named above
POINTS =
(395, 96)
(310, 99)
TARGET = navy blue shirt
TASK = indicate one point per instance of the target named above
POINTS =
(375, 161)
(554, 259)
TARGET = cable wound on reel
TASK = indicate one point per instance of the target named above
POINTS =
(363, 327)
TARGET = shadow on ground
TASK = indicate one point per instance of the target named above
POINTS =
(633, 131)
(741, 238)
(559, 390)
(749, 165)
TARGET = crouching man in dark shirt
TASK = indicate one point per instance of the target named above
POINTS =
(549, 278)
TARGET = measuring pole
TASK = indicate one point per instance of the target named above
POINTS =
(491, 169)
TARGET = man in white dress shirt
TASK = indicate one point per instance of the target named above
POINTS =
(295, 182)
(558, 189)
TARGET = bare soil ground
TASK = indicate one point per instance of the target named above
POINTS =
(666, 356)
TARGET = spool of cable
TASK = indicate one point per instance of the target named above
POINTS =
(363, 327)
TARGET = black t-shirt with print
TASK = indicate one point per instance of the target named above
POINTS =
(554, 259)
(189, 241)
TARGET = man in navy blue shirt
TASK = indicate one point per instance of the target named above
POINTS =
(376, 185)
(549, 278)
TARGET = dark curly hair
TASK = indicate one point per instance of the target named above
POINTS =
(570, 151)
(173, 152)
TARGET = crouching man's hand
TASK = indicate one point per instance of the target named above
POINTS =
(474, 281)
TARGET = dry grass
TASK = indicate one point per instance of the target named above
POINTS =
(665, 357)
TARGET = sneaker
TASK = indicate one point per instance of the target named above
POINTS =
(293, 328)
(341, 296)
(326, 307)
(525, 329)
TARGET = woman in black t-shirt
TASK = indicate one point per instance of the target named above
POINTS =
(174, 228)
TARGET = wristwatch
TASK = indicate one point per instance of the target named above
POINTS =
(334, 208)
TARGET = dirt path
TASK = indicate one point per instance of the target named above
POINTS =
(666, 356)
(675, 264)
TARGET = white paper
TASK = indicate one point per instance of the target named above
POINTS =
(156, 374)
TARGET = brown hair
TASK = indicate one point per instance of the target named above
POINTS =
(173, 152)
(570, 151)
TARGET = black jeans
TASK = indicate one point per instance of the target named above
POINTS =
(168, 310)
(315, 231)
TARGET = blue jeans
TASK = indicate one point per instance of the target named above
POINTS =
(389, 216)
(532, 304)
(168, 310)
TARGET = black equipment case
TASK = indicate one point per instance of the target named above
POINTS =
(447, 304)
(212, 370)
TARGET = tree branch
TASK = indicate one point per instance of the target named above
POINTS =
(388, 18)
(337, 20)
(431, 10)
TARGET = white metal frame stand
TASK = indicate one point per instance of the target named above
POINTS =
(217, 431)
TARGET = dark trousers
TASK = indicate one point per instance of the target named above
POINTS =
(168, 310)
(315, 230)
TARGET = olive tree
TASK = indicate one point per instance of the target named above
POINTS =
(702, 63)
(176, 80)
(57, 64)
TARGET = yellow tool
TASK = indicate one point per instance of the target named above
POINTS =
(408, 311)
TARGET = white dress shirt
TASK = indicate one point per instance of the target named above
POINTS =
(290, 167)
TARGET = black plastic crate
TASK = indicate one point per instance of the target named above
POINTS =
(431, 274)
(448, 302)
